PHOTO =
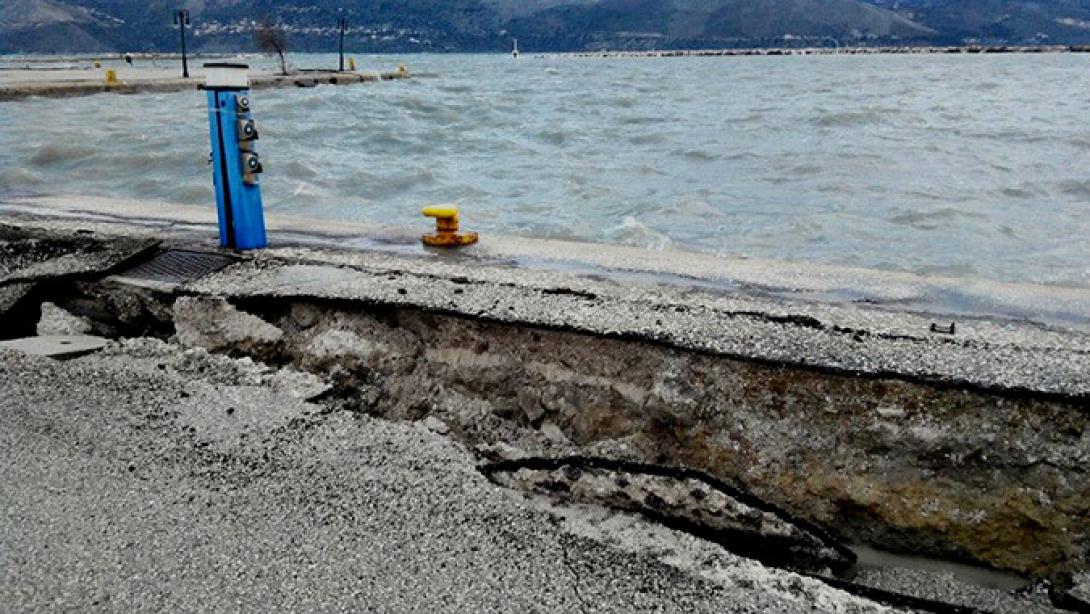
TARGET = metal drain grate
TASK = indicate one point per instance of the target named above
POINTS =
(178, 266)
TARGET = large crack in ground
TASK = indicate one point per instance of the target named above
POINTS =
(681, 498)
(643, 428)
(678, 498)
(693, 502)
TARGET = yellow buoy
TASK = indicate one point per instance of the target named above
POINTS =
(111, 76)
(402, 70)
(352, 64)
(446, 228)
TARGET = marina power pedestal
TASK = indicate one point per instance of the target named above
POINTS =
(235, 162)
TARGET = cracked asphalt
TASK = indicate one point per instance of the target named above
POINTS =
(148, 479)
(1012, 338)
(145, 478)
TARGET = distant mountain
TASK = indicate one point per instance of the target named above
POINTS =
(540, 25)
(714, 23)
(1001, 21)
(45, 26)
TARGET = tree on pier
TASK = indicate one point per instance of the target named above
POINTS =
(271, 37)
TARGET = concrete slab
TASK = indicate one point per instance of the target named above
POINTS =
(542, 259)
(989, 355)
(19, 84)
(56, 346)
(28, 257)
(1021, 338)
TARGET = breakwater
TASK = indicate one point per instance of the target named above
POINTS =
(878, 50)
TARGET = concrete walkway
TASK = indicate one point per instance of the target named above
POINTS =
(18, 84)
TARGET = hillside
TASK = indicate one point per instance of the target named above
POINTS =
(714, 23)
(541, 25)
(45, 26)
(1024, 21)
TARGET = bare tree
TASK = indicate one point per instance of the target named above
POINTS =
(271, 37)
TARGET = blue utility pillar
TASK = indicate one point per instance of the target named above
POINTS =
(235, 163)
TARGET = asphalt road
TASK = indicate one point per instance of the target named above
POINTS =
(147, 479)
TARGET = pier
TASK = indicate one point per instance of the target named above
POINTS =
(26, 82)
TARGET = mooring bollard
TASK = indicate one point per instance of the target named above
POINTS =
(447, 232)
(235, 163)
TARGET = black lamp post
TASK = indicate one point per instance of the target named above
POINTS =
(181, 19)
(342, 26)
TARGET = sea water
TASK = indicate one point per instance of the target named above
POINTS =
(964, 165)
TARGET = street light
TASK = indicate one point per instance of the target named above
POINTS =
(342, 25)
(181, 19)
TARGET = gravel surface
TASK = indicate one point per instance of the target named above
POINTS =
(145, 478)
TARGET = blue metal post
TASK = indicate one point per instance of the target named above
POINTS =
(236, 167)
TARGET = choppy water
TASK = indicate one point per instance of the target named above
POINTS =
(965, 165)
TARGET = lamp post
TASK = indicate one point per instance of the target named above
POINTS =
(181, 19)
(342, 26)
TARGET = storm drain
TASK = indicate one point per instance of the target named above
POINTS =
(178, 267)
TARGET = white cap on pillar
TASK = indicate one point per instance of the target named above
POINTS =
(226, 76)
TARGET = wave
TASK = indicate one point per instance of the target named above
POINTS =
(307, 189)
(622, 102)
(556, 137)
(15, 178)
(836, 119)
(54, 154)
(422, 106)
(299, 168)
(647, 138)
(642, 120)
(192, 194)
(934, 218)
(697, 155)
(1024, 192)
(632, 231)
(456, 89)
(1078, 189)
(383, 185)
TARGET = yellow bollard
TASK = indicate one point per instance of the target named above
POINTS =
(352, 64)
(111, 77)
(446, 228)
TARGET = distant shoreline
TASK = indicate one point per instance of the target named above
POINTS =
(777, 51)
(39, 58)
